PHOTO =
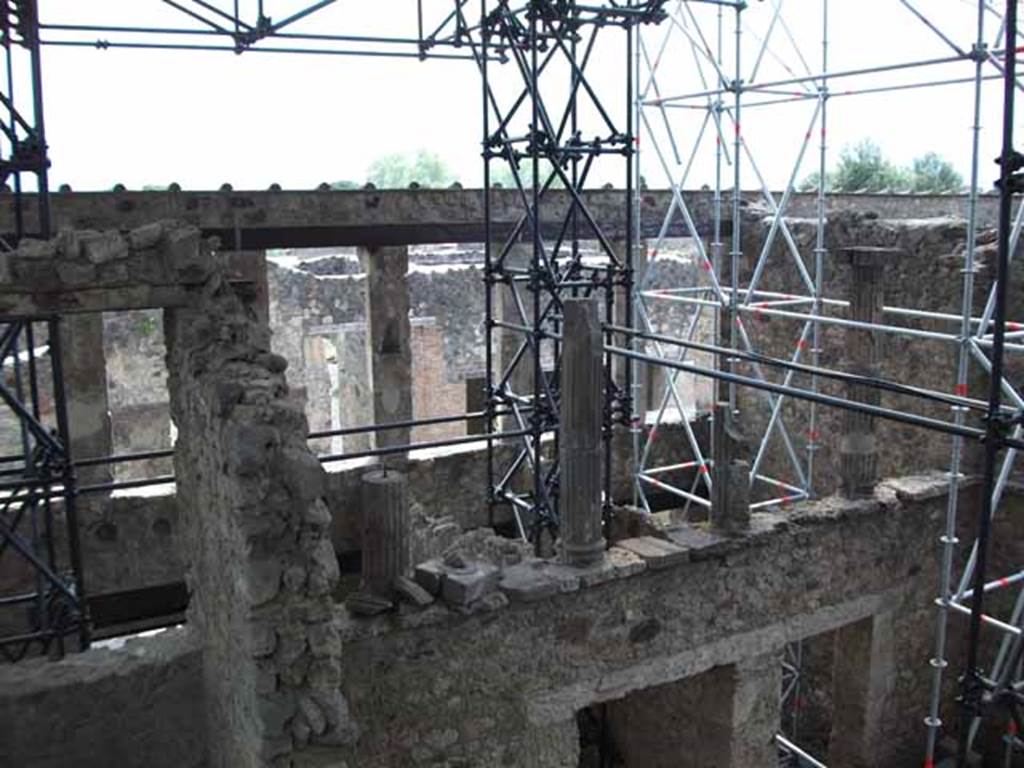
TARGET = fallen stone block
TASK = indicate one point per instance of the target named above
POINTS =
(656, 553)
(462, 586)
(429, 575)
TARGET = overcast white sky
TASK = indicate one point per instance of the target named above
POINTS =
(205, 118)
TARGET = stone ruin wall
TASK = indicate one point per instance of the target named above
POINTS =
(256, 533)
(265, 624)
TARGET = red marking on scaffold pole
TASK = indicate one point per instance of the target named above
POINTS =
(706, 265)
(652, 253)
(653, 435)
(703, 470)
(812, 435)
(636, 140)
(1004, 582)
(759, 315)
(1014, 326)
(929, 764)
(822, 133)
(961, 390)
(807, 137)
(1011, 727)
(785, 500)
(801, 344)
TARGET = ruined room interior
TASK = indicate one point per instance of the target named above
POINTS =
(586, 465)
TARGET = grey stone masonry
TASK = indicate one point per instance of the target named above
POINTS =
(388, 342)
(857, 447)
(255, 533)
(309, 218)
(580, 433)
(85, 271)
(477, 688)
(385, 531)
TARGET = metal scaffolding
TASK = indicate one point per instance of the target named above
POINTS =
(723, 81)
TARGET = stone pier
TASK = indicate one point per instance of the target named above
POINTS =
(85, 380)
(580, 423)
(388, 341)
(726, 717)
(864, 676)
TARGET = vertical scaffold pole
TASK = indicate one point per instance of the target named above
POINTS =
(948, 540)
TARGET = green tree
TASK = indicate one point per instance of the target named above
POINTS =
(344, 184)
(863, 168)
(932, 173)
(398, 171)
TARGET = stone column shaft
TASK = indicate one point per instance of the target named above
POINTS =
(857, 447)
(85, 384)
(730, 487)
(385, 505)
(388, 341)
(863, 676)
(580, 436)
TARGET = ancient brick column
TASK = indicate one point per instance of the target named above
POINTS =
(730, 491)
(385, 507)
(858, 450)
(863, 678)
(85, 384)
(388, 341)
(580, 433)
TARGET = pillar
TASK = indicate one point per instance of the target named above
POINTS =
(730, 486)
(355, 391)
(388, 341)
(580, 433)
(863, 677)
(858, 449)
(385, 505)
(85, 385)
(726, 717)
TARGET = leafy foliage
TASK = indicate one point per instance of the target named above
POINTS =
(398, 171)
(863, 168)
